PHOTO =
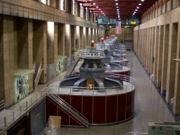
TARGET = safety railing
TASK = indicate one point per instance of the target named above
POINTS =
(128, 85)
(10, 115)
(69, 109)
(136, 133)
(95, 88)
(91, 53)
(121, 77)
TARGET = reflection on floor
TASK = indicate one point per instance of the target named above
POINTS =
(149, 107)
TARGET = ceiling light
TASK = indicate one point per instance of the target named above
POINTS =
(140, 4)
(142, 0)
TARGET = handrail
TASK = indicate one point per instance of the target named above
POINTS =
(75, 113)
(91, 53)
(20, 110)
(136, 133)
(96, 88)
(71, 107)
(123, 77)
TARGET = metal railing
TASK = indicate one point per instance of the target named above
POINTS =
(124, 63)
(91, 53)
(69, 109)
(128, 85)
(9, 116)
(83, 92)
(121, 77)
(136, 133)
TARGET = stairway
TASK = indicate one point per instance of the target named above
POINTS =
(77, 116)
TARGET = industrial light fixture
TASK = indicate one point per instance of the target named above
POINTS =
(135, 11)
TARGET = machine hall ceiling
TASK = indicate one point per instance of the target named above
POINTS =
(126, 8)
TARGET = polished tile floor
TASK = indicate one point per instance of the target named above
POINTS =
(149, 107)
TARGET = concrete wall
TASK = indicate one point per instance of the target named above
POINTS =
(61, 39)
(156, 42)
(77, 39)
(8, 59)
(126, 36)
(39, 47)
(23, 46)
(1, 62)
(28, 38)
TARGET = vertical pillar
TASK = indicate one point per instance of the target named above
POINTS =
(68, 45)
(30, 52)
(1, 62)
(8, 59)
(61, 39)
(81, 37)
(160, 48)
(84, 37)
(171, 63)
(73, 34)
(156, 52)
(87, 37)
(40, 47)
(55, 42)
(67, 40)
(51, 50)
(177, 80)
(164, 57)
(77, 39)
